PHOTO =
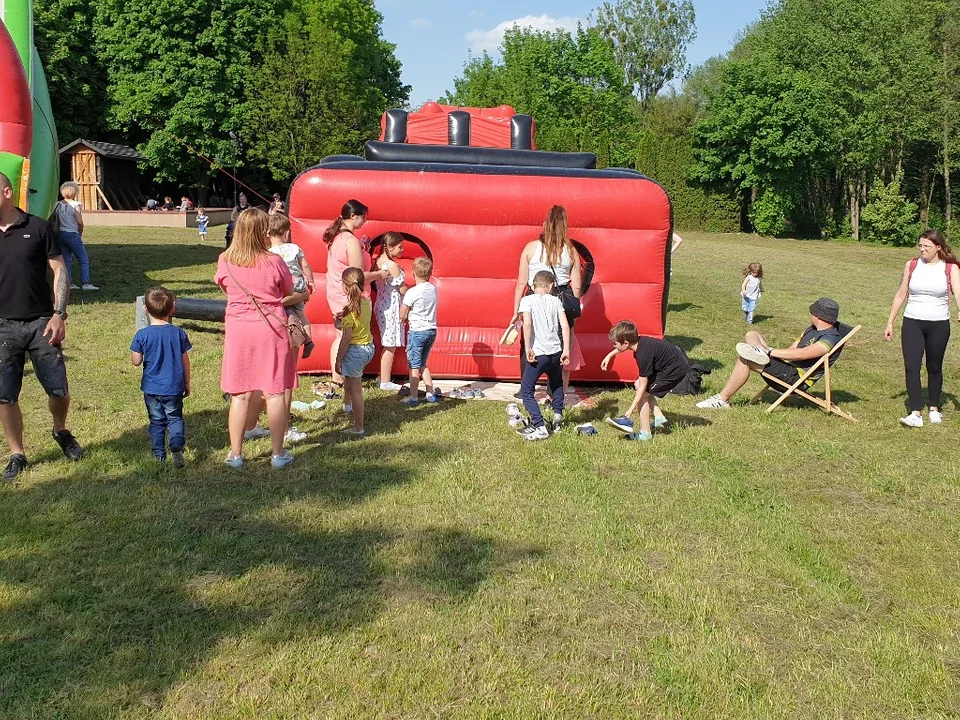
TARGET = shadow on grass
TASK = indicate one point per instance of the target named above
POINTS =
(757, 319)
(122, 577)
(681, 421)
(680, 307)
(684, 342)
(124, 271)
(945, 400)
(839, 397)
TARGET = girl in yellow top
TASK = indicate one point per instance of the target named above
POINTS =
(356, 346)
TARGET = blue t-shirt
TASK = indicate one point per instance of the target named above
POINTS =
(162, 347)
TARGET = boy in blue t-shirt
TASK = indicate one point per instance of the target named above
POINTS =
(162, 350)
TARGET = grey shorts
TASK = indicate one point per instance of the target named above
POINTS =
(19, 338)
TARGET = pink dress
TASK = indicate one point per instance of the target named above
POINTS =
(336, 263)
(256, 356)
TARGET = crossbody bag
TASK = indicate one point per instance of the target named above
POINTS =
(295, 332)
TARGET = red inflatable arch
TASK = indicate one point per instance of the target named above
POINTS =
(472, 210)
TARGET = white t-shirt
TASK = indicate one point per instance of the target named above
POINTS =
(545, 320)
(928, 299)
(291, 254)
(67, 215)
(422, 301)
(752, 290)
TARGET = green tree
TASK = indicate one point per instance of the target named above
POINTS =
(78, 81)
(650, 40)
(569, 82)
(321, 87)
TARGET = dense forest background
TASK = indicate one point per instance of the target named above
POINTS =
(828, 118)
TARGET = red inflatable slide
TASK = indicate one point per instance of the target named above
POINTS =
(471, 210)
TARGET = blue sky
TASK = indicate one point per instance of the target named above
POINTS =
(434, 38)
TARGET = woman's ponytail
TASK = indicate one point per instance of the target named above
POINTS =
(349, 209)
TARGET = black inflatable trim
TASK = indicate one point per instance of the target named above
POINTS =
(458, 128)
(388, 152)
(197, 309)
(521, 133)
(338, 158)
(395, 130)
(457, 168)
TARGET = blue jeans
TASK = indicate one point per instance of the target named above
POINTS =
(72, 244)
(419, 344)
(549, 364)
(165, 413)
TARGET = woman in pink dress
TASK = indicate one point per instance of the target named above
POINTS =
(345, 250)
(257, 357)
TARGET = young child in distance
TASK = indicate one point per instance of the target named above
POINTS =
(202, 222)
(662, 365)
(751, 289)
(387, 307)
(419, 310)
(279, 232)
(356, 346)
(546, 339)
(162, 350)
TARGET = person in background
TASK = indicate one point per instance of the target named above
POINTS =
(750, 290)
(277, 205)
(31, 323)
(419, 311)
(168, 204)
(241, 205)
(70, 218)
(161, 348)
(202, 222)
(387, 308)
(355, 350)
(185, 204)
(926, 286)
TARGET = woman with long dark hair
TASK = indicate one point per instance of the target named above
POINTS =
(345, 250)
(554, 252)
(926, 286)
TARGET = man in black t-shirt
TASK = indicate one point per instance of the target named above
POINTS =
(662, 365)
(31, 323)
(786, 364)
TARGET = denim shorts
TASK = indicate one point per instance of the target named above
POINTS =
(748, 305)
(356, 359)
(419, 344)
(19, 338)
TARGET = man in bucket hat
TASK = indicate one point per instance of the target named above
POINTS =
(786, 364)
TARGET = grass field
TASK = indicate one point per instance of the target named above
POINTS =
(789, 565)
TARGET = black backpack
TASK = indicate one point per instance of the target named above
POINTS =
(692, 383)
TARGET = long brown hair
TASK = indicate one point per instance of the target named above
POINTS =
(554, 237)
(249, 239)
(353, 287)
(350, 208)
(937, 238)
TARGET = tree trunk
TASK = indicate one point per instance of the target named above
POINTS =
(926, 191)
(854, 189)
(948, 200)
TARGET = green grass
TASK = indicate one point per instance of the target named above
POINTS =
(743, 565)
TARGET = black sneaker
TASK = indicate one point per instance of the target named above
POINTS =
(17, 464)
(178, 461)
(68, 443)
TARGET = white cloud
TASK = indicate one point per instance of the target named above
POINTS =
(490, 40)
(420, 24)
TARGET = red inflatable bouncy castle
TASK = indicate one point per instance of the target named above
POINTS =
(471, 210)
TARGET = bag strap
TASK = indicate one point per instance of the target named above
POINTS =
(946, 269)
(256, 303)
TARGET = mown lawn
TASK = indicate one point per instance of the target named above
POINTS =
(743, 565)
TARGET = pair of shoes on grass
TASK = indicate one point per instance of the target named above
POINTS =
(68, 445)
(913, 420)
(625, 425)
(276, 461)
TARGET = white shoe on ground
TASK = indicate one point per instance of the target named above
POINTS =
(255, 433)
(89, 286)
(935, 417)
(279, 461)
(294, 436)
(74, 287)
(233, 460)
(390, 386)
(912, 420)
(534, 433)
(714, 402)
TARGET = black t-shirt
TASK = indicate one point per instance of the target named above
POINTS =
(660, 358)
(24, 288)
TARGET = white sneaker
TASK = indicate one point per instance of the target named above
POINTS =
(912, 420)
(256, 433)
(294, 436)
(390, 386)
(532, 433)
(233, 460)
(714, 402)
(279, 461)
(935, 417)
(88, 286)
(753, 353)
(74, 287)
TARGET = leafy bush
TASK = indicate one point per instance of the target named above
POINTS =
(888, 216)
(769, 213)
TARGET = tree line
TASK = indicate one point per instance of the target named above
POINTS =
(268, 86)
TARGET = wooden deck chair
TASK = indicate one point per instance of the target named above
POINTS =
(826, 404)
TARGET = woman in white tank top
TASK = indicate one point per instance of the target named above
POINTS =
(554, 252)
(926, 286)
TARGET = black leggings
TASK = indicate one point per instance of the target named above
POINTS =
(916, 338)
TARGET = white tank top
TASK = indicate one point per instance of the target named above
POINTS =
(538, 263)
(928, 299)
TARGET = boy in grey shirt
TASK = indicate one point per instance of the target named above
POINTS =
(546, 340)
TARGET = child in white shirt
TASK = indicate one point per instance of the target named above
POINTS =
(419, 310)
